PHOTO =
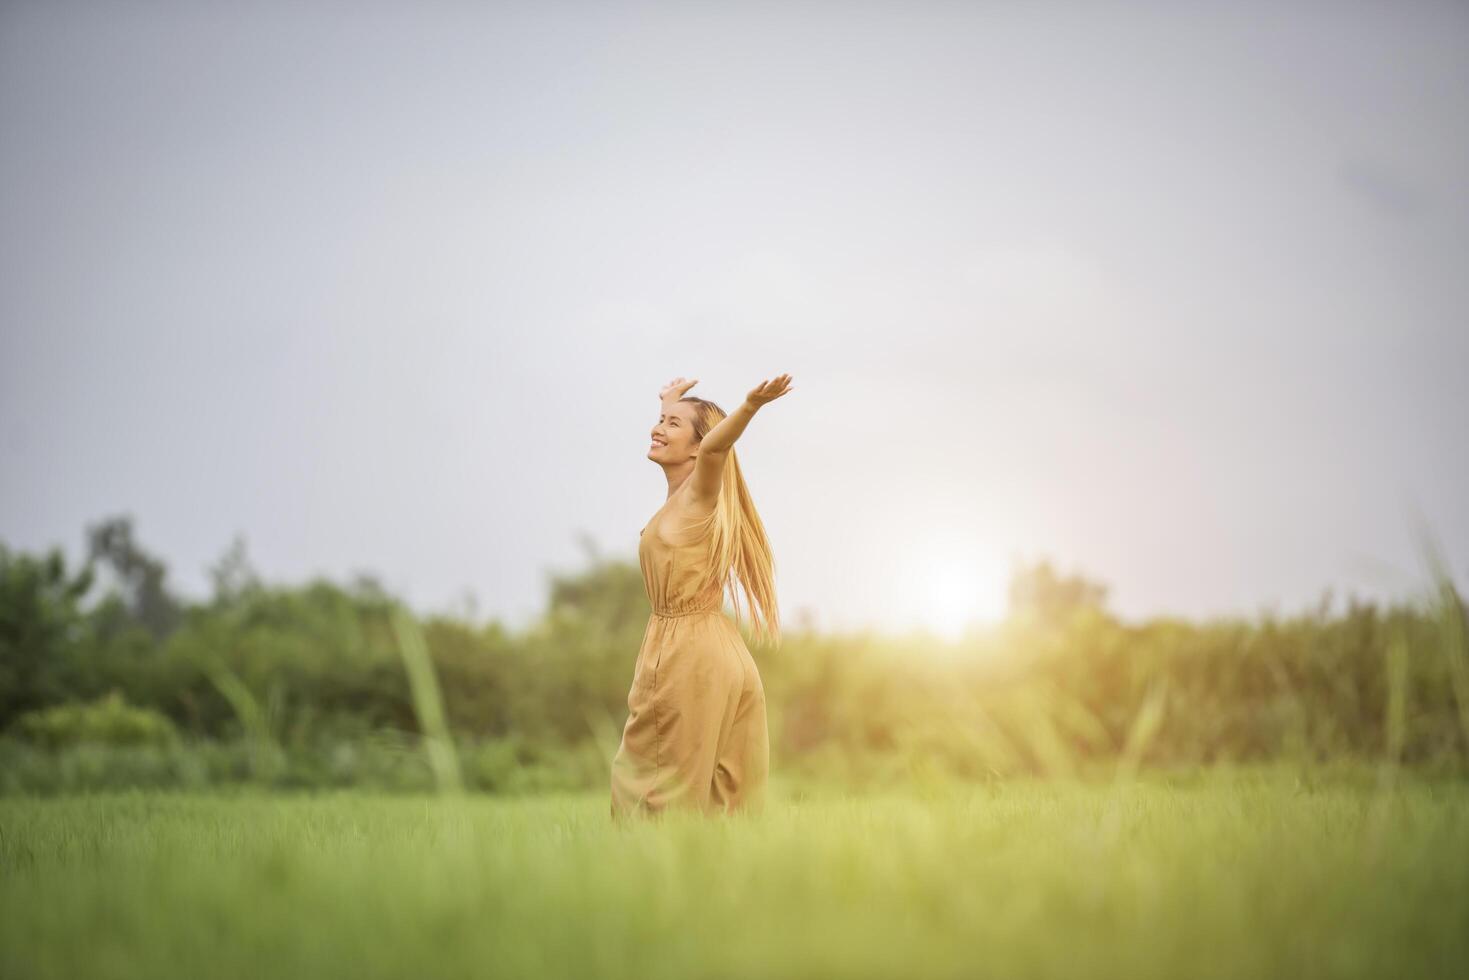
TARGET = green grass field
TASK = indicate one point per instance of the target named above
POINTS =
(1217, 874)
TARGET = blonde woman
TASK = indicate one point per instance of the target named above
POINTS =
(695, 735)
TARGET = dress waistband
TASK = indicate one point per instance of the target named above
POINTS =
(687, 612)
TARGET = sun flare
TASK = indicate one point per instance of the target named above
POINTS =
(947, 593)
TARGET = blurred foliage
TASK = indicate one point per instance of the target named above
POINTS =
(310, 679)
(109, 721)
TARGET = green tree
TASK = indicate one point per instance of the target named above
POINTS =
(1039, 592)
(41, 621)
(139, 577)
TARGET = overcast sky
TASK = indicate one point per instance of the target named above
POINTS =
(1174, 295)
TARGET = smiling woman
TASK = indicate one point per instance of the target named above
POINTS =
(696, 732)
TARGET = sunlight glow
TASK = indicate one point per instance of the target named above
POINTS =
(947, 593)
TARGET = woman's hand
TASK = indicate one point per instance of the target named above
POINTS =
(769, 391)
(675, 389)
(720, 439)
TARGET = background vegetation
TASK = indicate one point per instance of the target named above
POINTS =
(108, 679)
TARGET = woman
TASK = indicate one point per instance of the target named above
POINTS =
(695, 735)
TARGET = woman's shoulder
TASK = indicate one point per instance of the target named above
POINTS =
(687, 521)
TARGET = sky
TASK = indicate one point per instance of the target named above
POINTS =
(1171, 295)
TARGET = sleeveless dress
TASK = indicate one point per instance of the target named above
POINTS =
(696, 734)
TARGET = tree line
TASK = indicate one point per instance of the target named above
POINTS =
(107, 653)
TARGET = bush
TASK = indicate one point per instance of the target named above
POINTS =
(109, 720)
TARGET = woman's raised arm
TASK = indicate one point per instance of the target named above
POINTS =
(715, 446)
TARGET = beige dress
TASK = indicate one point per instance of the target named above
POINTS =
(696, 734)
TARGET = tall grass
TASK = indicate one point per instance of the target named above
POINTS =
(266, 757)
(428, 703)
(1453, 634)
(1215, 874)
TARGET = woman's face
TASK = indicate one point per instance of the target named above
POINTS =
(673, 436)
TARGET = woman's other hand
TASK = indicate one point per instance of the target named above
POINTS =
(769, 391)
(675, 389)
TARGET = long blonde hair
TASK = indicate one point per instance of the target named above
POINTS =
(741, 551)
